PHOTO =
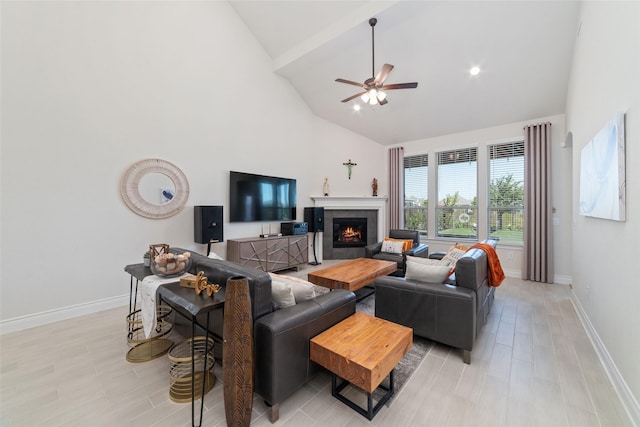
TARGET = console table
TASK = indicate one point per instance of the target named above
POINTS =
(188, 304)
(191, 305)
(269, 253)
(144, 349)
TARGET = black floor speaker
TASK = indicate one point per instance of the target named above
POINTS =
(207, 224)
(314, 217)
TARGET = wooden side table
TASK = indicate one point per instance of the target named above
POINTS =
(362, 350)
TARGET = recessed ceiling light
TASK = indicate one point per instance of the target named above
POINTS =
(474, 71)
(356, 107)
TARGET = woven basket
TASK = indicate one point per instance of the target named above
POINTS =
(180, 376)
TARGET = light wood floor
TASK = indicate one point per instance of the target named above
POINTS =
(533, 365)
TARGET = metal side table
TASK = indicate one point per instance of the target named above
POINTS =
(190, 305)
(144, 349)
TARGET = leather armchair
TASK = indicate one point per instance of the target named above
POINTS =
(450, 313)
(418, 249)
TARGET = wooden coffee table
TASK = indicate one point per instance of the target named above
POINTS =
(353, 274)
(362, 350)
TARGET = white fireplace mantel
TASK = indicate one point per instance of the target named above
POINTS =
(362, 202)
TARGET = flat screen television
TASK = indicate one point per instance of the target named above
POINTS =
(261, 198)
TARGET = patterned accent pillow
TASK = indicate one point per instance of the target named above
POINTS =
(392, 247)
(452, 256)
(406, 243)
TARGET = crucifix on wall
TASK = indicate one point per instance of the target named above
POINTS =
(350, 166)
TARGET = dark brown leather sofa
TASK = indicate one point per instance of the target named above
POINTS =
(451, 313)
(281, 336)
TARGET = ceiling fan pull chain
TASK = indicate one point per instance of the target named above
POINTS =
(373, 22)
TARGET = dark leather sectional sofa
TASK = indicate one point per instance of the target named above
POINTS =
(452, 313)
(281, 336)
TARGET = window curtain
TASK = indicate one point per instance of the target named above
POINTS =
(538, 244)
(396, 187)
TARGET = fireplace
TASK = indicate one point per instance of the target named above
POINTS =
(371, 208)
(349, 232)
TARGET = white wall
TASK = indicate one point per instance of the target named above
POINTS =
(605, 81)
(511, 255)
(89, 88)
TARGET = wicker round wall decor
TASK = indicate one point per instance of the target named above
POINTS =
(129, 189)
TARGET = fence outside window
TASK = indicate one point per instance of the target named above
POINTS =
(506, 223)
(457, 221)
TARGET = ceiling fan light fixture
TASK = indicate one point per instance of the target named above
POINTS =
(373, 93)
(373, 96)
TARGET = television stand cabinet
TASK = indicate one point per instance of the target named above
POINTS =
(269, 253)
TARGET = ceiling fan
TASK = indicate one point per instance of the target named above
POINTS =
(374, 87)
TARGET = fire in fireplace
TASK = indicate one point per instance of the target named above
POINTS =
(349, 232)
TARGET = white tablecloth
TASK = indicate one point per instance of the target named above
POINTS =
(148, 292)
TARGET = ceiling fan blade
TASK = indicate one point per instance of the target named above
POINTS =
(349, 82)
(383, 74)
(400, 86)
(383, 101)
(354, 96)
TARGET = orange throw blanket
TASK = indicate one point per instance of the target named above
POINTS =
(496, 275)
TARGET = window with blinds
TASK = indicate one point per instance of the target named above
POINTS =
(506, 192)
(416, 200)
(457, 208)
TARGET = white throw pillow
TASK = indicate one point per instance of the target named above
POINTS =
(426, 261)
(390, 246)
(282, 294)
(425, 272)
(302, 289)
(214, 255)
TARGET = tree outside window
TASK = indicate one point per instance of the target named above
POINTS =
(456, 198)
(456, 212)
(416, 201)
(506, 192)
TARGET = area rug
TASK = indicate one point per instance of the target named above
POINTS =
(407, 366)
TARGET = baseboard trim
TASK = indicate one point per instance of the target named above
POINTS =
(562, 280)
(620, 386)
(513, 273)
(558, 279)
(39, 319)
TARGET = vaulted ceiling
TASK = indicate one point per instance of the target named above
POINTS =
(524, 50)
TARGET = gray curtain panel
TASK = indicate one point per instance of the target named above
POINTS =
(538, 243)
(396, 188)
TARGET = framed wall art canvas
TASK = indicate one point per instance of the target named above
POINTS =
(602, 173)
